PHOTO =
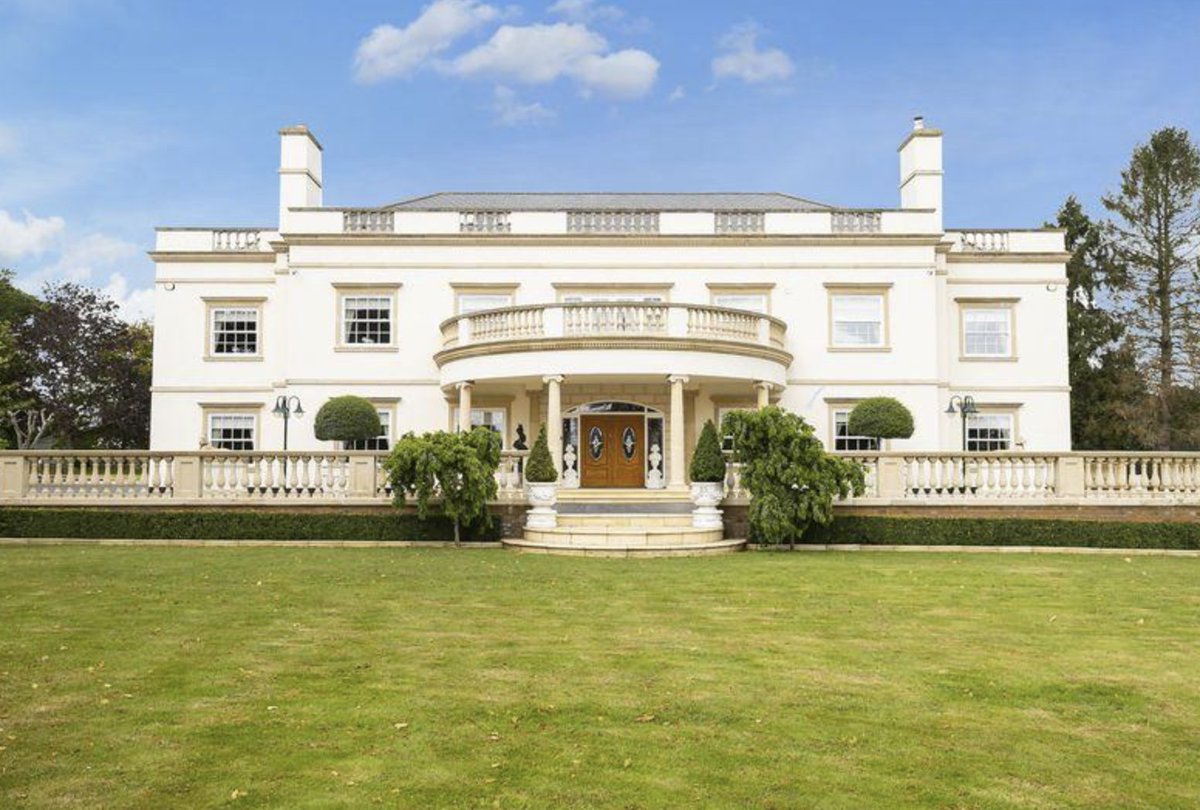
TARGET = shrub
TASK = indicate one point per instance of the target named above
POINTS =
(456, 469)
(881, 418)
(708, 464)
(347, 419)
(792, 480)
(539, 467)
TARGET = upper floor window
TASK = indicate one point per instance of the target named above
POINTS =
(380, 442)
(987, 331)
(844, 441)
(367, 320)
(234, 330)
(477, 302)
(232, 431)
(857, 320)
(752, 302)
(989, 432)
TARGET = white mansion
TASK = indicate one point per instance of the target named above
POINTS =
(623, 321)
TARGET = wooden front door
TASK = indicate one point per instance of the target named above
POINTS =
(613, 452)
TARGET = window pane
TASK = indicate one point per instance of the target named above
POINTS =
(380, 442)
(235, 331)
(858, 320)
(231, 431)
(989, 432)
(842, 440)
(367, 319)
(986, 332)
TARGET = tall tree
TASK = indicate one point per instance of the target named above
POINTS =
(1108, 397)
(1155, 231)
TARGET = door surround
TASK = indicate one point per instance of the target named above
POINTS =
(649, 434)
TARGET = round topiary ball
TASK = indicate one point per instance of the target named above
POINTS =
(881, 418)
(347, 419)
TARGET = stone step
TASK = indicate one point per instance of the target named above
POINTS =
(651, 550)
(623, 496)
(625, 519)
(603, 536)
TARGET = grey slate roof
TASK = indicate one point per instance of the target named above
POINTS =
(649, 201)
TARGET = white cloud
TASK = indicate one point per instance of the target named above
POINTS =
(739, 57)
(96, 260)
(586, 11)
(677, 94)
(511, 112)
(134, 305)
(29, 237)
(539, 54)
(390, 52)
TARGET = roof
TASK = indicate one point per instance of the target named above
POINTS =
(649, 201)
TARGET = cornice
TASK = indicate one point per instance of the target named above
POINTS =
(616, 240)
(222, 256)
(1008, 258)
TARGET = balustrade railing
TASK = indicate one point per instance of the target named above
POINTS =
(727, 222)
(1123, 476)
(368, 220)
(236, 239)
(857, 221)
(984, 241)
(86, 476)
(612, 222)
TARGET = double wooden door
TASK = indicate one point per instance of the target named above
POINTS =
(613, 451)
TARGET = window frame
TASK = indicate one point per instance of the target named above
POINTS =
(717, 291)
(880, 291)
(461, 290)
(220, 409)
(504, 409)
(992, 412)
(837, 408)
(344, 290)
(967, 305)
(214, 305)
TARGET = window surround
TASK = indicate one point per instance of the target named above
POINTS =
(211, 409)
(564, 290)
(211, 304)
(717, 290)
(343, 290)
(838, 404)
(965, 304)
(880, 289)
(479, 288)
(1011, 409)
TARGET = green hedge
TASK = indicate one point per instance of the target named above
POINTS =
(902, 531)
(196, 524)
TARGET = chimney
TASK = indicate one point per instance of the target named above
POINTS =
(921, 169)
(299, 171)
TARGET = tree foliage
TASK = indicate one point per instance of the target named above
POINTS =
(539, 467)
(457, 471)
(1155, 236)
(792, 481)
(708, 463)
(880, 418)
(347, 419)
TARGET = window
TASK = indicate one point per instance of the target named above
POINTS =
(844, 441)
(234, 331)
(476, 302)
(380, 442)
(752, 302)
(367, 320)
(987, 332)
(494, 418)
(989, 432)
(613, 297)
(857, 320)
(231, 431)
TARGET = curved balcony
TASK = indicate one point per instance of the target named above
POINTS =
(650, 337)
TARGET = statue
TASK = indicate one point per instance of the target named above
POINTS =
(520, 443)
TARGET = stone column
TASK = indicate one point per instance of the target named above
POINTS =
(676, 476)
(464, 407)
(554, 417)
(763, 390)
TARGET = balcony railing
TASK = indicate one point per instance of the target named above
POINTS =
(152, 479)
(857, 221)
(368, 221)
(610, 222)
(236, 239)
(613, 319)
(984, 241)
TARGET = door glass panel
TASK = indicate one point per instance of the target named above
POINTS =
(596, 443)
(628, 443)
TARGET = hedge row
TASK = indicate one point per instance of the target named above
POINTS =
(903, 531)
(196, 524)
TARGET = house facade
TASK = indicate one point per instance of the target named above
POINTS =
(620, 321)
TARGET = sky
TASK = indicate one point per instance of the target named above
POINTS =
(117, 116)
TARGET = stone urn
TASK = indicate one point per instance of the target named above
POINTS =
(542, 497)
(705, 497)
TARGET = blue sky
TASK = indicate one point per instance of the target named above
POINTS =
(119, 115)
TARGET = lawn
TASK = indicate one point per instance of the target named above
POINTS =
(161, 677)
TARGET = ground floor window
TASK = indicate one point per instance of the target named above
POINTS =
(494, 418)
(844, 441)
(231, 431)
(380, 442)
(989, 432)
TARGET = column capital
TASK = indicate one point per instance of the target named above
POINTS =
(552, 378)
(682, 379)
(459, 386)
(770, 386)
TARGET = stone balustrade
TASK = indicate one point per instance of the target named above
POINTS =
(984, 241)
(236, 239)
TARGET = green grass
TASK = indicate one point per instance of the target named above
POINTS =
(303, 678)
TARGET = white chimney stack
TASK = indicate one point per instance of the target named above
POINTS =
(921, 169)
(299, 171)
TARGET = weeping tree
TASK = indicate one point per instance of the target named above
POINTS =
(452, 472)
(792, 481)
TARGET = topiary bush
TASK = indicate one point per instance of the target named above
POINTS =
(881, 418)
(539, 467)
(708, 465)
(347, 419)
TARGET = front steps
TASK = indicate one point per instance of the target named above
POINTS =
(624, 523)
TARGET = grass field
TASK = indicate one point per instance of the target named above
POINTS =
(302, 678)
